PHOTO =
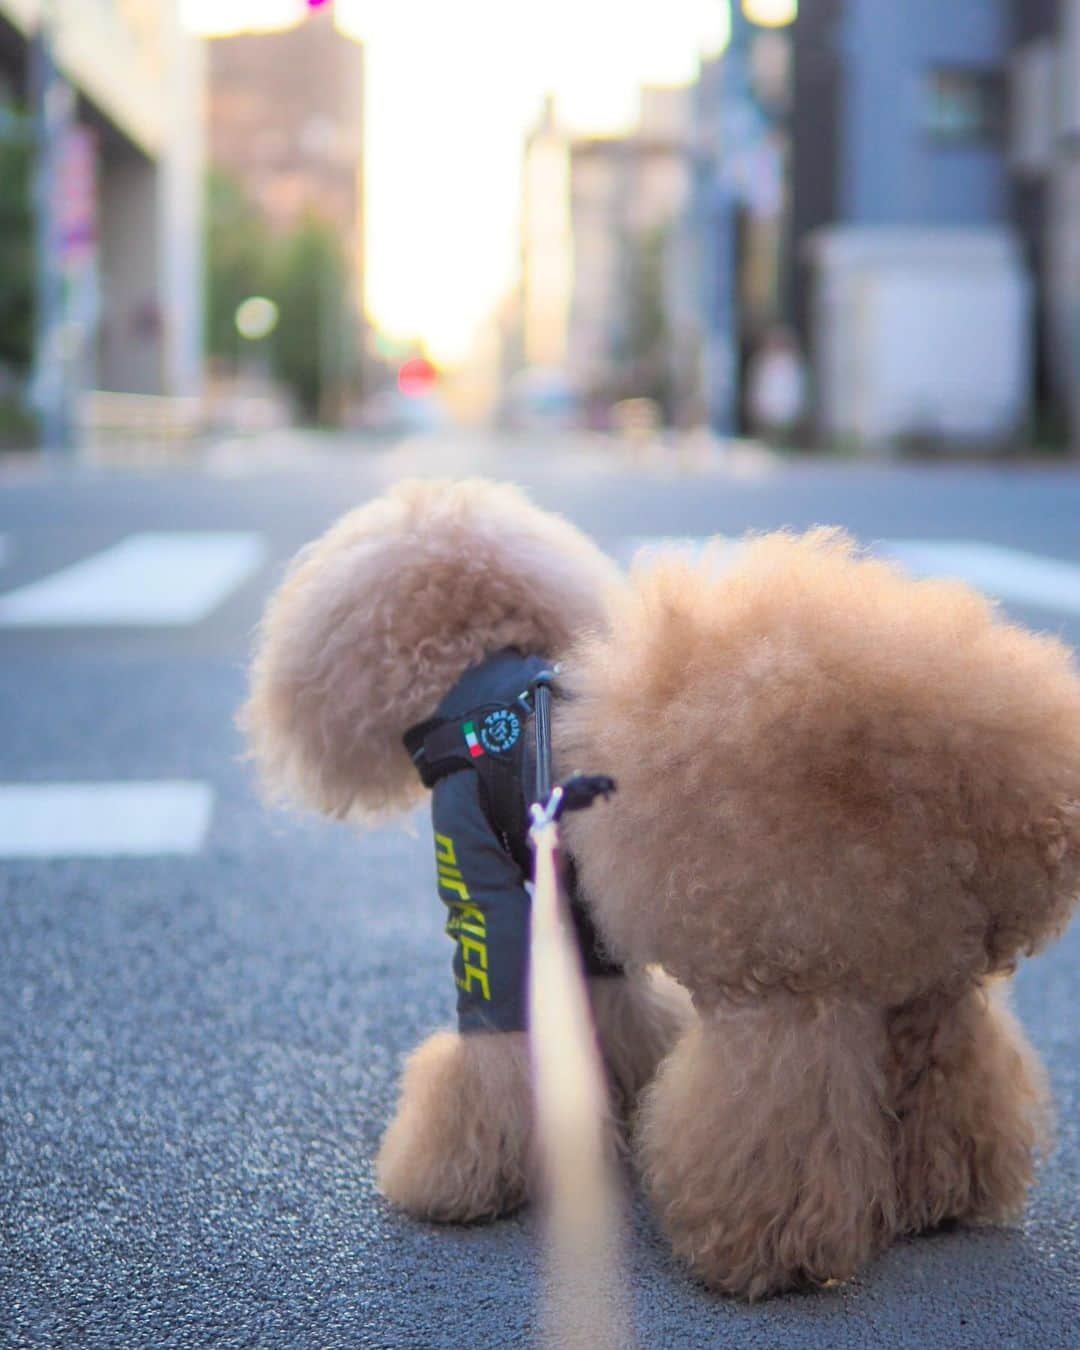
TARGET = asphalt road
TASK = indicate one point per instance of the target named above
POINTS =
(199, 1053)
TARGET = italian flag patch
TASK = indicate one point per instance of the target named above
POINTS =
(471, 740)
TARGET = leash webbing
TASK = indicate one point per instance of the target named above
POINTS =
(585, 1302)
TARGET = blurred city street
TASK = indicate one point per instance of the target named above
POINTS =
(683, 272)
(201, 1028)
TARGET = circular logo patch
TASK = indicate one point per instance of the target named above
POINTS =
(499, 731)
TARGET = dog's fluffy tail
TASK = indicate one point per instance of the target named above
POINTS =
(378, 619)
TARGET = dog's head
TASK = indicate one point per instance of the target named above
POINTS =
(829, 775)
(377, 620)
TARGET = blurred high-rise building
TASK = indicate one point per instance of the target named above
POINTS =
(129, 184)
(625, 194)
(546, 245)
(287, 123)
(597, 222)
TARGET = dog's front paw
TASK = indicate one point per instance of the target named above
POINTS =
(459, 1148)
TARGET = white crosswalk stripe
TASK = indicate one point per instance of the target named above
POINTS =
(147, 580)
(1003, 573)
(103, 820)
(649, 546)
(174, 579)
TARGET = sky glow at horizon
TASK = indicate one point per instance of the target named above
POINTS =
(451, 91)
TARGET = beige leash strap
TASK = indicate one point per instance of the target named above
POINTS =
(585, 1303)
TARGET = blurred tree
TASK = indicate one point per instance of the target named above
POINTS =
(238, 261)
(304, 274)
(16, 251)
(311, 348)
(642, 350)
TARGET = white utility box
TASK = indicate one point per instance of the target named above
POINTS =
(921, 336)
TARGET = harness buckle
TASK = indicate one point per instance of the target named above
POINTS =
(577, 794)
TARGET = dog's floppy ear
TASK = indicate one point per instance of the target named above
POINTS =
(377, 620)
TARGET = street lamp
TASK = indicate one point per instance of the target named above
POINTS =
(771, 13)
(256, 318)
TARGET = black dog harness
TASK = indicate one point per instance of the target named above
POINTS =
(477, 754)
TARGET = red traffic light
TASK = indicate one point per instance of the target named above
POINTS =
(417, 377)
(318, 4)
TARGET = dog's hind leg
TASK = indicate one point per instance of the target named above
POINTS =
(460, 1147)
(974, 1108)
(639, 1017)
(766, 1148)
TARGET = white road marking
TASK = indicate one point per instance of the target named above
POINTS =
(1004, 573)
(147, 580)
(103, 820)
(651, 546)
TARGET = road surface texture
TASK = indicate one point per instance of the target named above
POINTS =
(201, 1029)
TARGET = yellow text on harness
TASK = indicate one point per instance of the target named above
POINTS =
(467, 924)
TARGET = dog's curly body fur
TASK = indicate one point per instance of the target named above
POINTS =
(870, 810)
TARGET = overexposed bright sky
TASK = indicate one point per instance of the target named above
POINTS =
(452, 86)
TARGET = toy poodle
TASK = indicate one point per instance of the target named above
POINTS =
(848, 803)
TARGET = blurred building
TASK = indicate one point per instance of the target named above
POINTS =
(131, 187)
(626, 193)
(911, 287)
(954, 127)
(597, 220)
(900, 113)
(546, 245)
(287, 122)
(891, 180)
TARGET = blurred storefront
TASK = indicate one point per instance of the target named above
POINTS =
(130, 185)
